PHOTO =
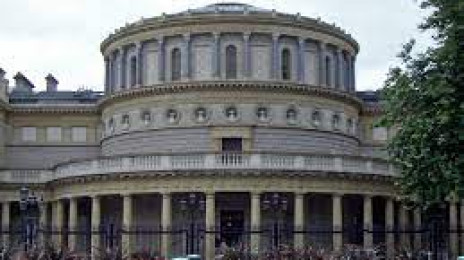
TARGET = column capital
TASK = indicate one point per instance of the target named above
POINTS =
(246, 36)
(301, 40)
(160, 39)
(275, 36)
(216, 35)
(210, 194)
(322, 45)
(337, 194)
(186, 36)
(138, 45)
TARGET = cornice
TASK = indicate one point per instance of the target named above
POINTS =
(179, 87)
(265, 174)
(54, 109)
(178, 20)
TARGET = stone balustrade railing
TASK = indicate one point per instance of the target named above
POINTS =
(226, 161)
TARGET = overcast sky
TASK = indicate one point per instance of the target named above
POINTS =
(62, 37)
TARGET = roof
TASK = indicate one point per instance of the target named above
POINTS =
(85, 96)
(227, 8)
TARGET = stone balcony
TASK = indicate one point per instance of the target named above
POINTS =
(204, 162)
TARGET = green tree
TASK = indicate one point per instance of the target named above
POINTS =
(423, 99)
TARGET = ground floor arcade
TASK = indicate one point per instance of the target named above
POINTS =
(196, 222)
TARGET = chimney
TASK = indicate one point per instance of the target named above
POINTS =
(22, 83)
(52, 83)
(3, 83)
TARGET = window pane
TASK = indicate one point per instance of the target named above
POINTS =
(79, 134)
(286, 64)
(231, 62)
(29, 134)
(175, 64)
(54, 134)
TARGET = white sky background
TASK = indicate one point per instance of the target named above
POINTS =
(63, 37)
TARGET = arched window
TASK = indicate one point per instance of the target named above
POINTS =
(133, 71)
(286, 64)
(328, 71)
(231, 62)
(175, 64)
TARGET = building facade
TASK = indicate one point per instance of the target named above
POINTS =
(230, 122)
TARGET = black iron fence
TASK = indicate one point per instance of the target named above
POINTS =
(147, 240)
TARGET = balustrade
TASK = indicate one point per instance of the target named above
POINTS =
(304, 162)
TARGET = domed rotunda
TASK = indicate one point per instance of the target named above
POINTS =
(222, 125)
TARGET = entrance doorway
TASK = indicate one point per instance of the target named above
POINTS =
(232, 222)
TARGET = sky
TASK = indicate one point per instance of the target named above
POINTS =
(63, 37)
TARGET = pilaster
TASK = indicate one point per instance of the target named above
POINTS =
(216, 71)
(275, 56)
(185, 73)
(161, 59)
(322, 65)
(301, 59)
(58, 210)
(246, 55)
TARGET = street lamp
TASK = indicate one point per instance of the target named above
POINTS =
(29, 209)
(192, 205)
(276, 203)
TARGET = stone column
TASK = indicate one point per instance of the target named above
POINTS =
(453, 226)
(322, 65)
(122, 67)
(339, 69)
(216, 64)
(404, 226)
(166, 219)
(246, 55)
(139, 71)
(107, 75)
(127, 223)
(95, 225)
(185, 72)
(57, 209)
(298, 239)
(348, 73)
(353, 74)
(72, 224)
(275, 56)
(368, 238)
(255, 219)
(417, 229)
(43, 222)
(6, 208)
(337, 222)
(389, 225)
(210, 226)
(161, 59)
(301, 59)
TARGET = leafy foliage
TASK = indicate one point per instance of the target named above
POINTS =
(423, 100)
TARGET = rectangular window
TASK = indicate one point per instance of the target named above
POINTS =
(54, 134)
(379, 134)
(79, 134)
(29, 134)
(231, 144)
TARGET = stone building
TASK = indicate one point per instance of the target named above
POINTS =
(251, 113)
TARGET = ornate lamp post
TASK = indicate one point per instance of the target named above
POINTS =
(29, 208)
(277, 204)
(192, 205)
